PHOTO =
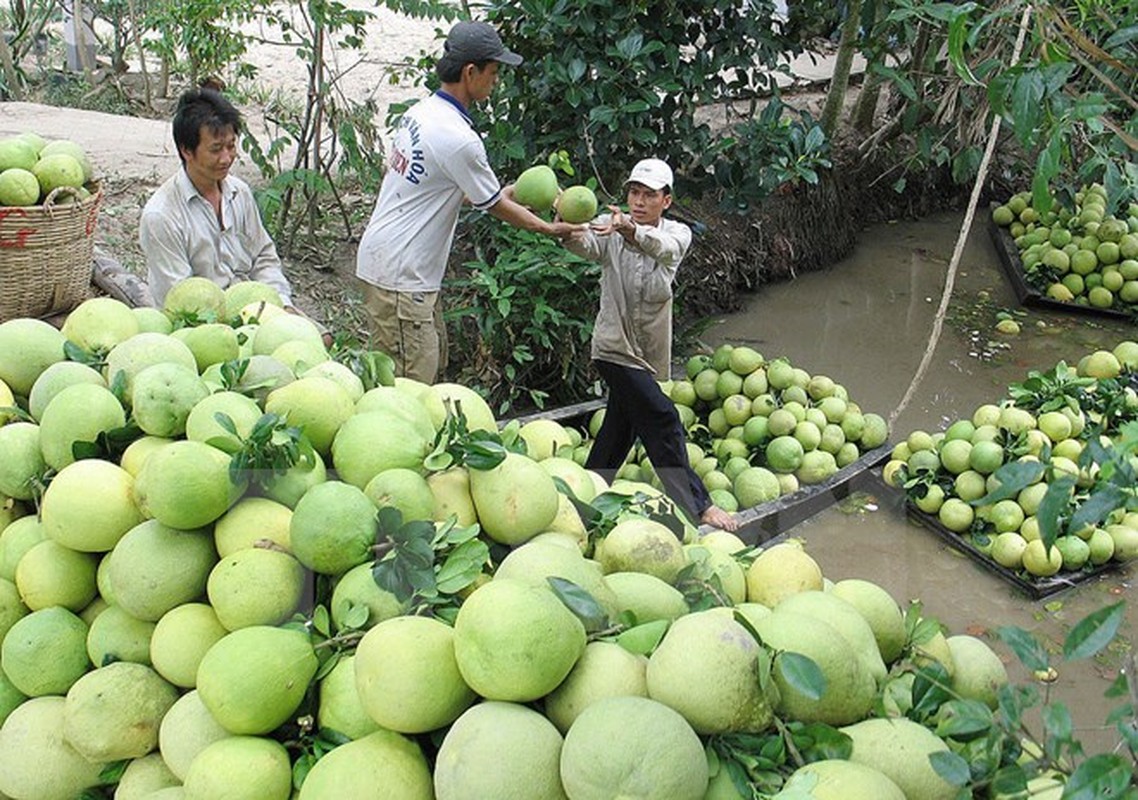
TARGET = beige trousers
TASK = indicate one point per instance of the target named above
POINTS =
(408, 326)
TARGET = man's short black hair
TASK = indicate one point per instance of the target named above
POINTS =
(449, 68)
(198, 107)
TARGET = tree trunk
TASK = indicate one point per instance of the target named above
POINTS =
(11, 79)
(840, 81)
(866, 107)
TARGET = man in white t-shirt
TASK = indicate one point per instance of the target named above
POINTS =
(437, 161)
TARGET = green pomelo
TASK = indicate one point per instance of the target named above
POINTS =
(242, 293)
(115, 635)
(135, 354)
(400, 404)
(151, 320)
(646, 596)
(186, 730)
(577, 204)
(254, 678)
(67, 147)
(407, 677)
(535, 562)
(845, 619)
(186, 485)
(250, 521)
(781, 571)
(56, 171)
(18, 187)
(240, 768)
(195, 299)
(840, 780)
(144, 776)
(23, 468)
(301, 355)
(155, 568)
(98, 324)
(139, 450)
(89, 505)
(500, 750)
(880, 610)
(27, 348)
(367, 444)
(181, 638)
(202, 424)
(900, 749)
(12, 608)
(113, 712)
(50, 574)
(705, 669)
(11, 698)
(338, 373)
(515, 500)
(404, 489)
(255, 586)
(632, 747)
(604, 670)
(754, 486)
(55, 379)
(17, 538)
(357, 588)
(382, 759)
(850, 689)
(718, 568)
(212, 343)
(536, 188)
(77, 414)
(36, 762)
(455, 397)
(340, 708)
(642, 545)
(283, 328)
(333, 528)
(163, 396)
(979, 672)
(45, 652)
(288, 487)
(516, 642)
(543, 438)
(15, 153)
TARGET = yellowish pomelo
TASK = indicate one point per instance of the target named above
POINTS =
(516, 642)
(500, 750)
(18, 538)
(252, 520)
(337, 373)
(645, 596)
(407, 677)
(452, 397)
(1125, 542)
(316, 405)
(45, 652)
(705, 668)
(979, 673)
(723, 540)
(282, 328)
(401, 404)
(240, 768)
(139, 450)
(51, 382)
(78, 413)
(604, 670)
(535, 562)
(195, 298)
(642, 545)
(242, 293)
(152, 320)
(515, 500)
(781, 571)
(1040, 560)
(850, 689)
(257, 312)
(357, 587)
(115, 635)
(367, 444)
(155, 568)
(568, 521)
(98, 324)
(451, 491)
(353, 771)
(340, 708)
(333, 528)
(255, 586)
(50, 574)
(113, 712)
(186, 730)
(543, 438)
(718, 569)
(35, 759)
(900, 749)
(143, 776)
(186, 485)
(845, 619)
(27, 348)
(89, 506)
(880, 610)
(253, 679)
(404, 489)
(202, 424)
(632, 747)
(835, 779)
(180, 640)
(212, 343)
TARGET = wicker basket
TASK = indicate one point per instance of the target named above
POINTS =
(46, 255)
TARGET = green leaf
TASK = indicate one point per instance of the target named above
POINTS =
(1012, 478)
(1103, 775)
(641, 640)
(802, 674)
(462, 566)
(356, 617)
(1098, 506)
(583, 605)
(1094, 632)
(1026, 647)
(962, 718)
(1053, 506)
(951, 767)
(321, 622)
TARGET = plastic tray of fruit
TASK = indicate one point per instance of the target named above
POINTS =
(1034, 586)
(1103, 283)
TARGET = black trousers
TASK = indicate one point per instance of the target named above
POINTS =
(637, 408)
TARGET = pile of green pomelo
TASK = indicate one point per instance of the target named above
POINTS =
(175, 627)
(1051, 421)
(31, 168)
(1084, 255)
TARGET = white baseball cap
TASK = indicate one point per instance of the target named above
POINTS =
(652, 172)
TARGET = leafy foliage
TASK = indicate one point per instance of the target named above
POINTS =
(269, 451)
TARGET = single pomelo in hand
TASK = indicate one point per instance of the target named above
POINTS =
(577, 204)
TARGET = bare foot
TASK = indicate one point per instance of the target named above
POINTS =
(716, 517)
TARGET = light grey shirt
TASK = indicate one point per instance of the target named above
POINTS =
(634, 324)
(181, 236)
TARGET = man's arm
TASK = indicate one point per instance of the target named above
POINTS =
(514, 213)
(165, 250)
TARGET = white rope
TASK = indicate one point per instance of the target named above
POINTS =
(961, 240)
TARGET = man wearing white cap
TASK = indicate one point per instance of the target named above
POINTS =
(639, 252)
(437, 161)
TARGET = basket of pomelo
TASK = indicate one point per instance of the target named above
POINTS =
(48, 211)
